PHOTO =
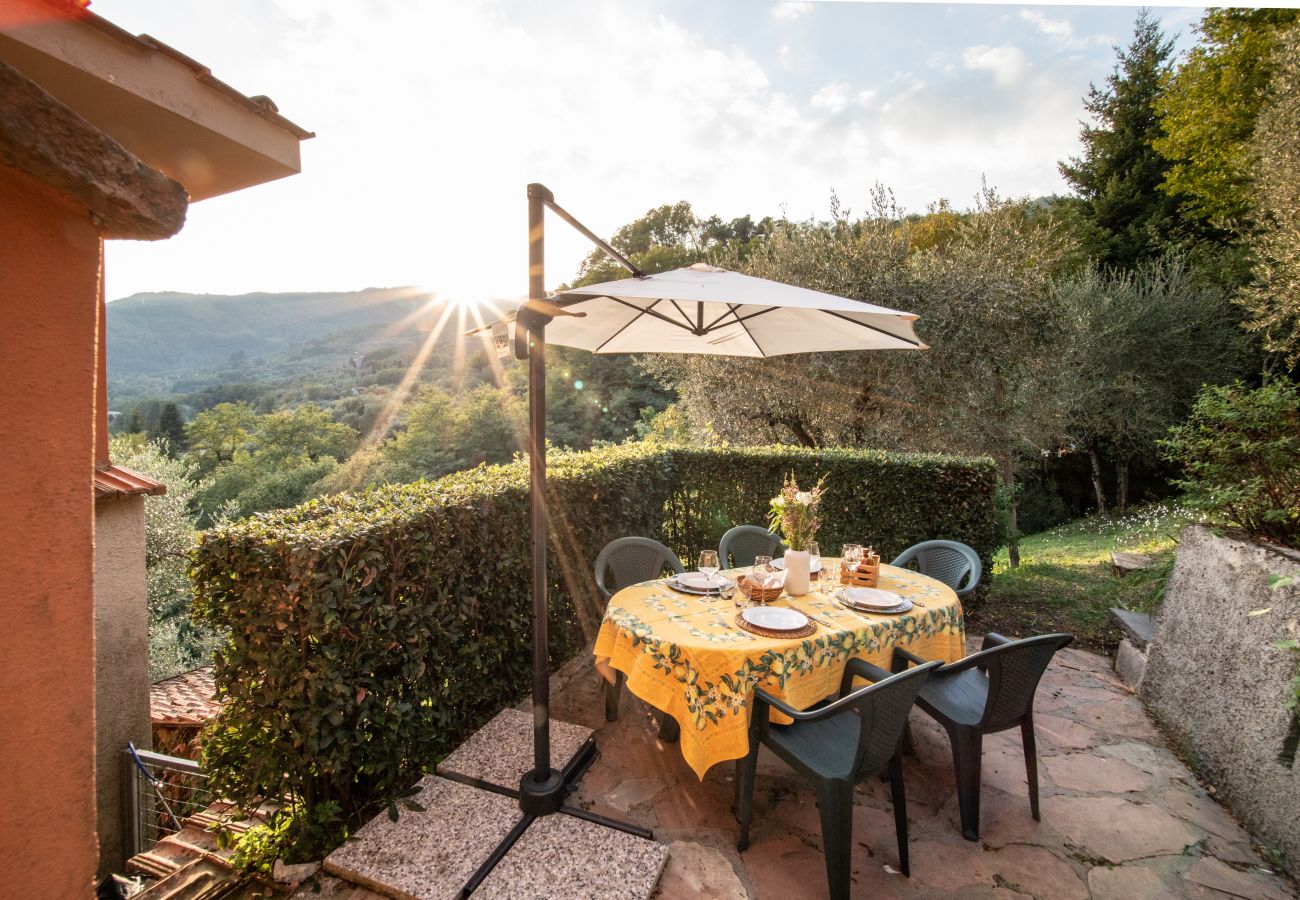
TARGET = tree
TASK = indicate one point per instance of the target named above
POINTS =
(135, 425)
(1125, 219)
(215, 434)
(1272, 299)
(1144, 344)
(176, 643)
(443, 434)
(1209, 108)
(171, 430)
(306, 431)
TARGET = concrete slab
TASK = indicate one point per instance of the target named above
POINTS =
(427, 855)
(562, 857)
(502, 750)
(1137, 627)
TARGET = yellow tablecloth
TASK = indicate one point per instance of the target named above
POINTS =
(685, 655)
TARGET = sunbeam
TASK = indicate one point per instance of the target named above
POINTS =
(399, 395)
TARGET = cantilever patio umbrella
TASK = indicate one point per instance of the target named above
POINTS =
(699, 309)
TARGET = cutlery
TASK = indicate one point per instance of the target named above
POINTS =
(821, 622)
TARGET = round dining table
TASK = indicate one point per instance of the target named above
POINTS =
(686, 655)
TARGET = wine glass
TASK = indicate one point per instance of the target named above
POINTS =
(709, 566)
(815, 559)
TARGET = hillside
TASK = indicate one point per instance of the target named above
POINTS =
(171, 333)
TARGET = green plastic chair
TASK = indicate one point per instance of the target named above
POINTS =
(985, 693)
(951, 562)
(623, 562)
(740, 545)
(632, 560)
(834, 747)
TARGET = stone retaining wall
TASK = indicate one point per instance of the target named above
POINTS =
(1216, 682)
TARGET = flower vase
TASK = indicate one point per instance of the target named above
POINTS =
(798, 576)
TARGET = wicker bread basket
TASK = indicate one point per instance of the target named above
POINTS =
(754, 592)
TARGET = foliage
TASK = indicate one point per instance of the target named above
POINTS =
(981, 285)
(305, 431)
(1209, 109)
(276, 460)
(1125, 219)
(670, 237)
(797, 514)
(176, 643)
(369, 633)
(1240, 456)
(1144, 343)
(216, 434)
(1273, 297)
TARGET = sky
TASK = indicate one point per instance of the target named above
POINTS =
(432, 117)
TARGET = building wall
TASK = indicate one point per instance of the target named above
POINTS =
(50, 263)
(121, 661)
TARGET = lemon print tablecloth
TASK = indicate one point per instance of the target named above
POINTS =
(686, 656)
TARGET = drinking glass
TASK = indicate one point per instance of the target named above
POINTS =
(814, 560)
(709, 565)
(850, 556)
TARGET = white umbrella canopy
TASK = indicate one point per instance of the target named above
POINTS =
(711, 311)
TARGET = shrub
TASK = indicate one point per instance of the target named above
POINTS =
(369, 633)
(1240, 455)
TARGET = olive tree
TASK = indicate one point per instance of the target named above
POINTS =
(176, 643)
(1144, 343)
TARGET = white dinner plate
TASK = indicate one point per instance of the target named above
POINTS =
(780, 564)
(774, 618)
(698, 581)
(871, 598)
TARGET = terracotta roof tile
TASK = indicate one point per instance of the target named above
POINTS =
(187, 699)
(118, 481)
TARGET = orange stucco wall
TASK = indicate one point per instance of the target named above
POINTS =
(50, 263)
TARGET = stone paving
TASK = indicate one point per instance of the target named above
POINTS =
(1123, 818)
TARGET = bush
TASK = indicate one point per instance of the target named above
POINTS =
(370, 633)
(1240, 455)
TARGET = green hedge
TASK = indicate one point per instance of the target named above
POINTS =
(370, 633)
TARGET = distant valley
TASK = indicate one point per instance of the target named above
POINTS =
(167, 333)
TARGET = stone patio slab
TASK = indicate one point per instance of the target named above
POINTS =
(561, 857)
(502, 750)
(427, 855)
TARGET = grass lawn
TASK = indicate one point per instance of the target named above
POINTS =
(1065, 581)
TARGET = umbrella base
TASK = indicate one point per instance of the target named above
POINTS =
(541, 797)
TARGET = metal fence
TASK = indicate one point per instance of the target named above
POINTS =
(159, 793)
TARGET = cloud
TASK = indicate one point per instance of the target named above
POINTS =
(1061, 29)
(1006, 63)
(789, 10)
(831, 97)
(433, 117)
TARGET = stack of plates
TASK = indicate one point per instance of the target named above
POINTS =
(699, 583)
(873, 600)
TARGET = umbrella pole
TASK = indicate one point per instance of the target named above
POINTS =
(541, 791)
